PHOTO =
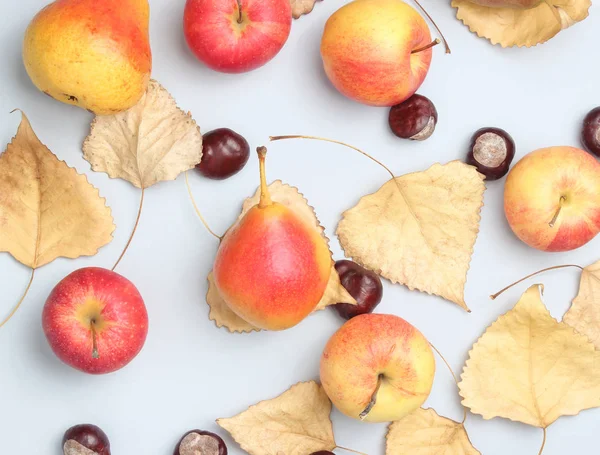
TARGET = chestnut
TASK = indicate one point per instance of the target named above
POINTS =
(362, 284)
(224, 153)
(89, 436)
(414, 118)
(323, 452)
(200, 442)
(491, 152)
(590, 133)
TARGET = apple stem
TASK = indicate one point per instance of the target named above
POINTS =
(240, 16)
(555, 217)
(265, 197)
(453, 377)
(137, 221)
(435, 42)
(448, 51)
(543, 442)
(497, 294)
(18, 305)
(95, 354)
(373, 401)
(350, 450)
(189, 189)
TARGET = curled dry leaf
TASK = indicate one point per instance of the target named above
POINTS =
(295, 423)
(584, 314)
(292, 198)
(424, 432)
(47, 209)
(530, 368)
(151, 142)
(419, 230)
(521, 27)
(301, 7)
(72, 447)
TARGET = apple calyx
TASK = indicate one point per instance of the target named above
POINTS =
(95, 354)
(265, 196)
(561, 201)
(363, 415)
(434, 43)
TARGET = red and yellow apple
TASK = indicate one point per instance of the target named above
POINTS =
(552, 198)
(371, 51)
(95, 320)
(235, 36)
(377, 368)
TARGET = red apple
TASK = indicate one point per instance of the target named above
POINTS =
(95, 320)
(235, 36)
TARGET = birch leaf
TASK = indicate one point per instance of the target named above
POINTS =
(301, 7)
(584, 314)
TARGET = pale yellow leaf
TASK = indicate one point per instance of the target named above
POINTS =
(424, 432)
(301, 7)
(151, 142)
(292, 198)
(584, 314)
(47, 209)
(295, 423)
(419, 230)
(521, 27)
(530, 368)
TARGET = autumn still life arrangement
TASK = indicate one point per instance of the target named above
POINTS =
(273, 266)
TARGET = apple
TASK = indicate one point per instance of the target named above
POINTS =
(235, 36)
(377, 368)
(552, 198)
(95, 320)
(376, 51)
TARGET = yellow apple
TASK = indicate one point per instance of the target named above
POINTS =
(374, 51)
(377, 368)
(552, 198)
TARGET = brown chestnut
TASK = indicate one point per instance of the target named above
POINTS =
(323, 452)
(590, 133)
(491, 152)
(362, 284)
(200, 442)
(89, 436)
(224, 153)
(414, 118)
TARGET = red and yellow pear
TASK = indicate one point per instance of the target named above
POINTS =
(272, 268)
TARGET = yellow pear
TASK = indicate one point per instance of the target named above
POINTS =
(94, 54)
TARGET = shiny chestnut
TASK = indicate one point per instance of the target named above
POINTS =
(590, 133)
(491, 151)
(200, 442)
(224, 153)
(414, 118)
(362, 284)
(89, 436)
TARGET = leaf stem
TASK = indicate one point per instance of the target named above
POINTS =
(350, 450)
(453, 377)
(448, 51)
(137, 221)
(556, 267)
(543, 442)
(189, 189)
(363, 415)
(12, 313)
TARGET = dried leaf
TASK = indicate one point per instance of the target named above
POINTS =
(151, 142)
(419, 231)
(301, 7)
(292, 198)
(47, 209)
(521, 27)
(424, 432)
(584, 314)
(295, 423)
(530, 368)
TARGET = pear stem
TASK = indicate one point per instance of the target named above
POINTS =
(189, 189)
(448, 51)
(18, 305)
(265, 196)
(453, 377)
(556, 267)
(135, 226)
(435, 42)
(240, 16)
(95, 354)
(373, 401)
(543, 442)
(560, 206)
